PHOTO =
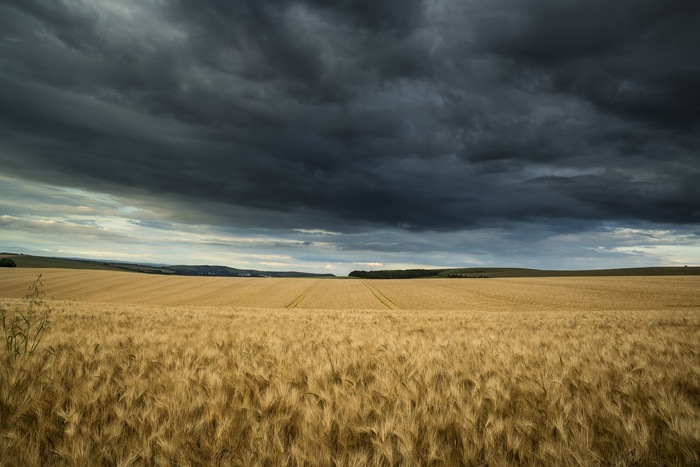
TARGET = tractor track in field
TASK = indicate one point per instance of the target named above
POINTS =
(383, 299)
(300, 298)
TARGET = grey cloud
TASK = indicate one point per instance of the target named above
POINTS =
(352, 116)
(628, 57)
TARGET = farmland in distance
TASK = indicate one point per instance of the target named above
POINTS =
(141, 369)
(496, 294)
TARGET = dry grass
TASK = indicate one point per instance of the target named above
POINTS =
(560, 383)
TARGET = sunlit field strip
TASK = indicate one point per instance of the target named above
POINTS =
(535, 294)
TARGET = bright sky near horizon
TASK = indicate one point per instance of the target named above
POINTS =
(331, 136)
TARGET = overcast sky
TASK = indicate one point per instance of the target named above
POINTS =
(319, 135)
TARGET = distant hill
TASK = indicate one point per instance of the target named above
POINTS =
(232, 272)
(29, 261)
(523, 272)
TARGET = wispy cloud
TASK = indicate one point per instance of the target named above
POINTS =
(53, 227)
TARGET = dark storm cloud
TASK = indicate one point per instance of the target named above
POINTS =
(632, 58)
(352, 115)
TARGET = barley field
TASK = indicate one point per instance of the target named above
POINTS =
(156, 370)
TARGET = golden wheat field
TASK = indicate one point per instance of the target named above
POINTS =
(156, 370)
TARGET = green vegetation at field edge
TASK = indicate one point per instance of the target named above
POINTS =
(522, 272)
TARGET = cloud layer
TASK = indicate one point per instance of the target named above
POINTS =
(361, 117)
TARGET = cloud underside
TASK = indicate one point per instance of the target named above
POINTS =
(353, 116)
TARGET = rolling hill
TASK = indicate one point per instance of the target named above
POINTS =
(30, 261)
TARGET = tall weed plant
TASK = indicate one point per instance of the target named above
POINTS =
(25, 325)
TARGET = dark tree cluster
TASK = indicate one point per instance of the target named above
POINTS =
(7, 263)
(396, 274)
